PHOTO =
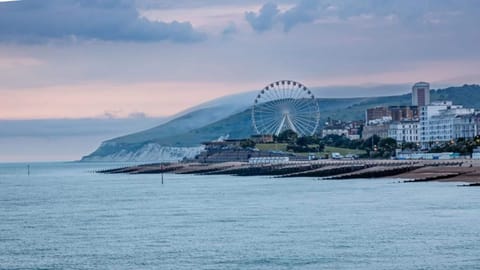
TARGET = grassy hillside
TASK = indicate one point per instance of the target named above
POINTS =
(180, 125)
(355, 109)
(466, 95)
(236, 126)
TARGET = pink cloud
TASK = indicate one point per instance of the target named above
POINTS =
(95, 98)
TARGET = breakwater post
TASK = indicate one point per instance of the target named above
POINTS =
(162, 172)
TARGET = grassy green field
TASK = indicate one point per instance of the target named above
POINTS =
(343, 151)
(327, 150)
(272, 146)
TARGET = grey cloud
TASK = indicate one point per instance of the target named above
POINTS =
(305, 12)
(410, 13)
(172, 4)
(110, 20)
(137, 115)
(265, 19)
(229, 30)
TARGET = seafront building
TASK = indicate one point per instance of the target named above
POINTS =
(425, 123)
(380, 115)
(398, 122)
(380, 130)
(404, 131)
(443, 122)
(466, 126)
(374, 115)
(391, 122)
(400, 113)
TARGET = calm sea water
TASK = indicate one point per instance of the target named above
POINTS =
(63, 216)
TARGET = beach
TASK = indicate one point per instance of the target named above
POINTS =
(459, 170)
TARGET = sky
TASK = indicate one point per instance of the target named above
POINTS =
(71, 61)
(92, 58)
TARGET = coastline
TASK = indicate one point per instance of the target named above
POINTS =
(408, 171)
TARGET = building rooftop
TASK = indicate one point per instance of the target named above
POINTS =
(421, 84)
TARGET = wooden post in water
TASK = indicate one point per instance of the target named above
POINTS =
(28, 169)
(161, 166)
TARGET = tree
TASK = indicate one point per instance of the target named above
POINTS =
(410, 145)
(303, 141)
(321, 147)
(370, 143)
(461, 145)
(387, 147)
(337, 141)
(247, 143)
(287, 136)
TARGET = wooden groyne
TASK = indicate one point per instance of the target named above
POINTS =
(376, 172)
(144, 169)
(477, 184)
(277, 169)
(204, 168)
(264, 169)
(325, 171)
(434, 177)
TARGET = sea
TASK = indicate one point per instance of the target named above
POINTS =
(66, 216)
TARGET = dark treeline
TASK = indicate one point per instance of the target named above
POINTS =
(461, 145)
(375, 147)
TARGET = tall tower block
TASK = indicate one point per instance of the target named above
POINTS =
(421, 94)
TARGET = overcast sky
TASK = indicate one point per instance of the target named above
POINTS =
(90, 58)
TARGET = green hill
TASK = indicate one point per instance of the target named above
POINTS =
(180, 125)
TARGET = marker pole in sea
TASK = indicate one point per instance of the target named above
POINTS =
(28, 169)
(161, 166)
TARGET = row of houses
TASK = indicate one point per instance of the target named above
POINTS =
(351, 130)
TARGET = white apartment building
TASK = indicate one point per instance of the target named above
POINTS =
(340, 131)
(443, 121)
(405, 131)
(465, 126)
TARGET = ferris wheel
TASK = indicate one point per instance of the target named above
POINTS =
(285, 105)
